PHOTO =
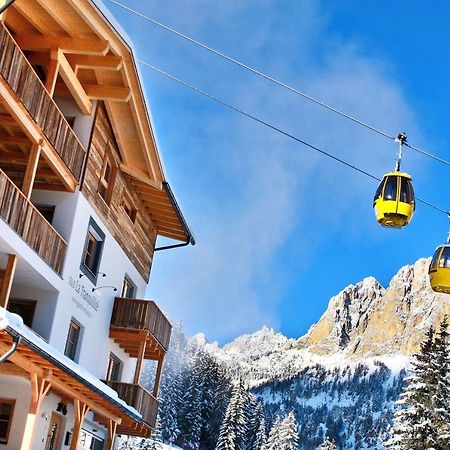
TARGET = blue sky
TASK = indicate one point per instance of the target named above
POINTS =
(281, 229)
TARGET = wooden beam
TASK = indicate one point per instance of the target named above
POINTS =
(39, 389)
(80, 410)
(15, 140)
(74, 85)
(8, 278)
(57, 10)
(112, 428)
(30, 172)
(158, 377)
(140, 358)
(81, 46)
(108, 62)
(52, 73)
(33, 15)
(141, 177)
(34, 132)
(58, 385)
(113, 93)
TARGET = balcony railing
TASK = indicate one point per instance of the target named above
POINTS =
(23, 80)
(142, 315)
(137, 397)
(23, 217)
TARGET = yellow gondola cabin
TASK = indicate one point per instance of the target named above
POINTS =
(439, 270)
(394, 203)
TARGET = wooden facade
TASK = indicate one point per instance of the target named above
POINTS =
(24, 218)
(32, 94)
(117, 203)
(137, 396)
(133, 319)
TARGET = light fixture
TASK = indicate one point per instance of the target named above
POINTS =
(61, 408)
(103, 287)
(103, 274)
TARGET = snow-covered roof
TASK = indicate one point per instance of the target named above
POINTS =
(13, 325)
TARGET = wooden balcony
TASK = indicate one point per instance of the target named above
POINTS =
(31, 92)
(134, 321)
(137, 397)
(23, 217)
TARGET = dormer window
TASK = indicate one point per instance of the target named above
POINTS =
(106, 183)
(129, 207)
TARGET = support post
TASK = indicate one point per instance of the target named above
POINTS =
(30, 173)
(39, 389)
(52, 73)
(81, 411)
(140, 358)
(112, 428)
(8, 278)
(158, 376)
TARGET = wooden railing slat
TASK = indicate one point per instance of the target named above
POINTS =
(142, 315)
(24, 218)
(23, 80)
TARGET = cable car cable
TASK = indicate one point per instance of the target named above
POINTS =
(273, 80)
(275, 128)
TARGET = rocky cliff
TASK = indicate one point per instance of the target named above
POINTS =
(366, 319)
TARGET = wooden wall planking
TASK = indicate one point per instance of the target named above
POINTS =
(136, 238)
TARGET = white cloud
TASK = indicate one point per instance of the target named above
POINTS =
(246, 190)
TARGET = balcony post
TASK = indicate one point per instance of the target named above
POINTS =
(30, 173)
(112, 427)
(8, 278)
(39, 389)
(140, 358)
(81, 410)
(52, 74)
(158, 376)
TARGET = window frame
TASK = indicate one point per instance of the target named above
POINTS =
(113, 359)
(127, 280)
(99, 236)
(76, 325)
(10, 401)
(129, 206)
(106, 184)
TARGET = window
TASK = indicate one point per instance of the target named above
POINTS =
(24, 308)
(114, 367)
(106, 182)
(390, 190)
(6, 416)
(444, 262)
(435, 258)
(129, 207)
(72, 340)
(127, 288)
(93, 248)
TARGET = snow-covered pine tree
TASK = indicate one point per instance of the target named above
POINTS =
(328, 444)
(234, 427)
(412, 428)
(257, 437)
(191, 414)
(440, 416)
(274, 439)
(217, 407)
(289, 439)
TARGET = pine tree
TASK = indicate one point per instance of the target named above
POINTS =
(234, 427)
(440, 417)
(257, 436)
(328, 445)
(289, 439)
(422, 422)
(274, 440)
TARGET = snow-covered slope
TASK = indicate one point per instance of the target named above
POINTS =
(364, 321)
